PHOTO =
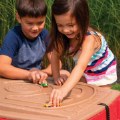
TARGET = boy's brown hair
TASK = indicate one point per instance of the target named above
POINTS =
(31, 8)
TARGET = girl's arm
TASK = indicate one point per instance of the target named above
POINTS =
(88, 49)
(48, 70)
(55, 65)
(59, 75)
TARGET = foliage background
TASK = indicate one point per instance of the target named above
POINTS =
(104, 15)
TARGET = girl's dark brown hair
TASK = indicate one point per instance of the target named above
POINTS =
(32, 8)
(79, 10)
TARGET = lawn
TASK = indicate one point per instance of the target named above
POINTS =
(116, 87)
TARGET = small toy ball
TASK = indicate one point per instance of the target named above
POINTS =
(44, 84)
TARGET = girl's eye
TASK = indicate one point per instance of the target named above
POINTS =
(59, 25)
(29, 23)
(71, 25)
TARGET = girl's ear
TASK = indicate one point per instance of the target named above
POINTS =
(18, 18)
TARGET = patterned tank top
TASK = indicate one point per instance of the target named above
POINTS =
(101, 69)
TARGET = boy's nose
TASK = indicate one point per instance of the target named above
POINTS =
(35, 27)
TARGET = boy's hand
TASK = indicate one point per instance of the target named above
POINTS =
(37, 76)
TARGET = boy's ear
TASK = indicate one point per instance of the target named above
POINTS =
(18, 18)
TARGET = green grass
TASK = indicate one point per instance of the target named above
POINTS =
(104, 15)
(116, 87)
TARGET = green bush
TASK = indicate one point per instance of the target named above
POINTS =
(116, 87)
(104, 15)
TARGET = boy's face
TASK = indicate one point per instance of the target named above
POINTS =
(31, 27)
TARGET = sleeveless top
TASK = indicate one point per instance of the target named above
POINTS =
(101, 69)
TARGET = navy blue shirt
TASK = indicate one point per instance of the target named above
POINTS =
(25, 54)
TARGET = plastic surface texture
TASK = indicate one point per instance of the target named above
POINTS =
(22, 100)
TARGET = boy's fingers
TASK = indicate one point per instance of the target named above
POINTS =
(33, 77)
(44, 81)
(43, 76)
(37, 76)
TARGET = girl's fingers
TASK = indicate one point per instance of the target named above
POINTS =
(57, 101)
(52, 96)
(55, 97)
(59, 82)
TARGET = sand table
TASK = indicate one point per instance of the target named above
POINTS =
(25, 101)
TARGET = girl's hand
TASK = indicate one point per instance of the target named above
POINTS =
(37, 76)
(56, 97)
(64, 74)
(60, 81)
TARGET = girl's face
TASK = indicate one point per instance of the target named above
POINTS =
(67, 25)
(31, 27)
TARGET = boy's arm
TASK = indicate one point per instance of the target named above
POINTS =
(11, 72)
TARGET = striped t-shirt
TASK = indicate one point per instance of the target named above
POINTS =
(101, 69)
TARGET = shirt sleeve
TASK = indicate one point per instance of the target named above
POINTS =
(46, 37)
(10, 44)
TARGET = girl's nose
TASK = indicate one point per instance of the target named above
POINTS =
(65, 30)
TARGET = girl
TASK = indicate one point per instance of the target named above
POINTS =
(72, 35)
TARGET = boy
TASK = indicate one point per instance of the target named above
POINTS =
(25, 45)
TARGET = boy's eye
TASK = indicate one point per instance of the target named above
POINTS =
(30, 23)
(40, 23)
